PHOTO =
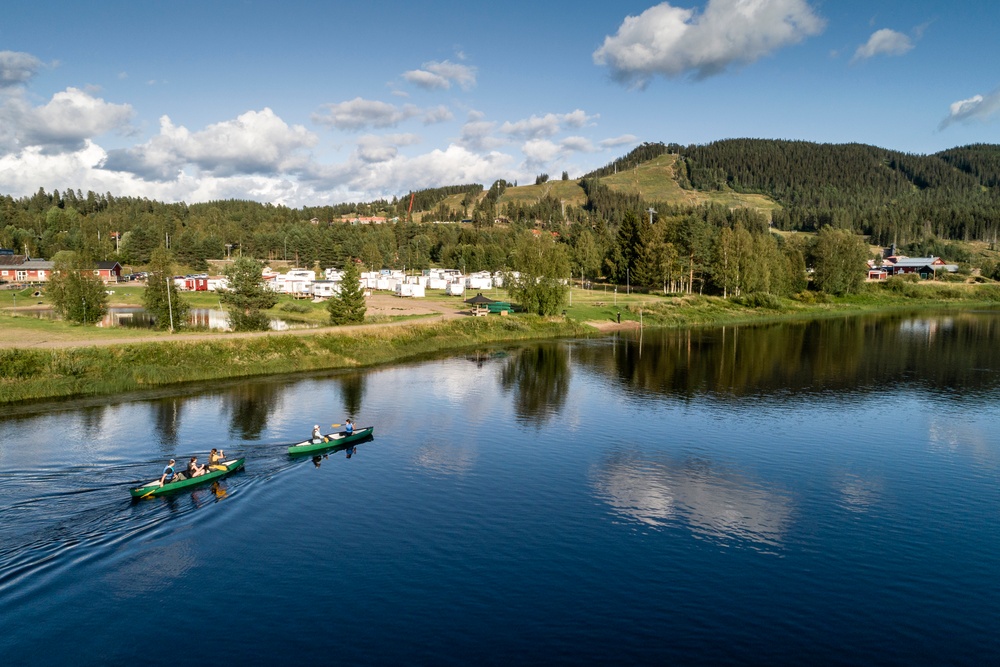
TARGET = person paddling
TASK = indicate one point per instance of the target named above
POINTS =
(215, 459)
(168, 473)
(348, 427)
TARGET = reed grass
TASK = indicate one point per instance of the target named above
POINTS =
(31, 374)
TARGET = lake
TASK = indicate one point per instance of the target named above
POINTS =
(821, 492)
(137, 318)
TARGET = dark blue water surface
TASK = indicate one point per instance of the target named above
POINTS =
(812, 493)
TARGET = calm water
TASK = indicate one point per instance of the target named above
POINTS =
(138, 318)
(823, 493)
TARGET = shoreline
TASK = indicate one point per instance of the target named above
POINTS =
(33, 367)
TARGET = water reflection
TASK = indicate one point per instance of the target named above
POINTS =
(540, 379)
(250, 406)
(92, 420)
(134, 317)
(870, 354)
(712, 502)
(152, 570)
(352, 389)
(446, 458)
(857, 494)
(166, 420)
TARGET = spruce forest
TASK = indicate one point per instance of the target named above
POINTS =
(663, 217)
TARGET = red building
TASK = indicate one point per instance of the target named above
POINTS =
(108, 272)
(22, 269)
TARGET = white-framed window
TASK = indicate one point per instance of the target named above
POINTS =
(21, 275)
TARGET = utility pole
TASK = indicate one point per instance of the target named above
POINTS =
(170, 306)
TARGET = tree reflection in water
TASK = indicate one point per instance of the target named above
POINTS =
(250, 406)
(167, 418)
(352, 389)
(783, 361)
(540, 379)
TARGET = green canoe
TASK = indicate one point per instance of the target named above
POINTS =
(154, 488)
(332, 440)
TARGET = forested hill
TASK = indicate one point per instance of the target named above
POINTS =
(893, 196)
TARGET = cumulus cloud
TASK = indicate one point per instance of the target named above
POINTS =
(17, 68)
(623, 140)
(452, 165)
(63, 124)
(442, 75)
(256, 142)
(577, 145)
(373, 148)
(548, 125)
(439, 114)
(541, 152)
(360, 113)
(477, 135)
(883, 42)
(674, 42)
(978, 108)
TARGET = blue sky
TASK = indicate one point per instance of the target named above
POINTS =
(312, 103)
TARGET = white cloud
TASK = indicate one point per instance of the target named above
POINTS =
(441, 75)
(256, 142)
(63, 124)
(17, 68)
(439, 114)
(883, 42)
(360, 113)
(576, 145)
(673, 42)
(452, 165)
(622, 140)
(372, 148)
(477, 135)
(538, 153)
(548, 125)
(978, 108)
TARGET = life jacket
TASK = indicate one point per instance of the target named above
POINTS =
(169, 472)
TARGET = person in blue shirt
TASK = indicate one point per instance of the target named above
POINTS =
(348, 427)
(168, 473)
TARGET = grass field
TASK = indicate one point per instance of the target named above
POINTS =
(31, 374)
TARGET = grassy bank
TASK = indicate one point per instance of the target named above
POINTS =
(28, 374)
(695, 310)
(158, 359)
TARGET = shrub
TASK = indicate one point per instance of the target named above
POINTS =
(291, 307)
(809, 297)
(760, 300)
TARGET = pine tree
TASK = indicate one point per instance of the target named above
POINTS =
(247, 296)
(348, 307)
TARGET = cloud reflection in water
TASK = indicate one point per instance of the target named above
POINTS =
(712, 503)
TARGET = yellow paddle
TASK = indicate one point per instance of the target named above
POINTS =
(145, 495)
